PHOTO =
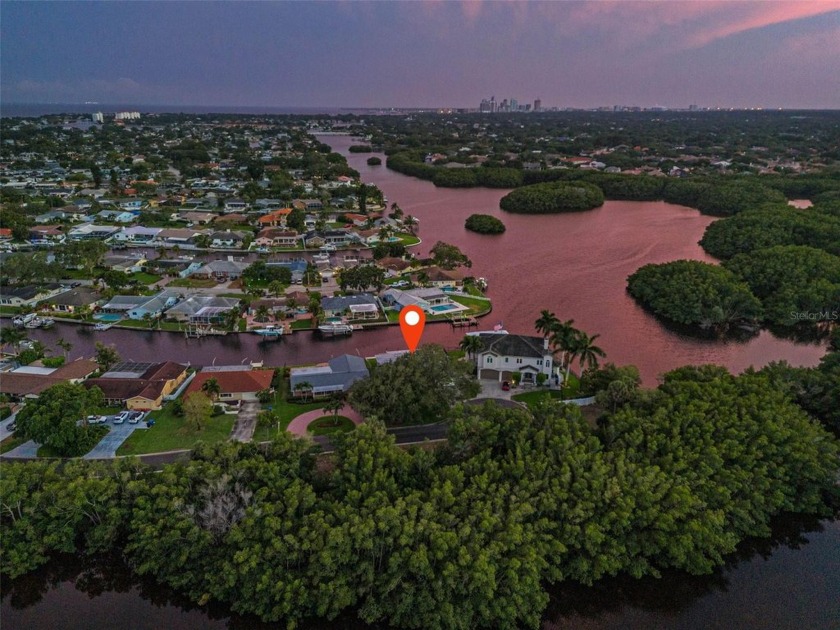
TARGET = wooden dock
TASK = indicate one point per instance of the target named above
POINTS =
(463, 322)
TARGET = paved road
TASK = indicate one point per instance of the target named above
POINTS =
(108, 445)
(246, 422)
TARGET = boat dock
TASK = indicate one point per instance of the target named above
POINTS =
(197, 332)
(463, 322)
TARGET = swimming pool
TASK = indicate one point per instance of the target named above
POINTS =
(108, 317)
(442, 308)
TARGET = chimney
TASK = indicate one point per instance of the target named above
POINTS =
(545, 344)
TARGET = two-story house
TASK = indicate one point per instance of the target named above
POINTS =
(504, 354)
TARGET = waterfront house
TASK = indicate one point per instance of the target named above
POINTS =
(46, 235)
(226, 240)
(236, 383)
(221, 270)
(31, 294)
(154, 306)
(504, 354)
(437, 277)
(29, 382)
(276, 237)
(196, 218)
(74, 300)
(202, 309)
(421, 298)
(339, 306)
(178, 236)
(89, 231)
(235, 204)
(332, 378)
(139, 386)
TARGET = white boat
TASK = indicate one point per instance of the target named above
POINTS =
(329, 247)
(35, 322)
(269, 331)
(47, 323)
(22, 320)
(321, 258)
(333, 330)
(101, 326)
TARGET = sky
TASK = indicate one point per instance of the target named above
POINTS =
(429, 53)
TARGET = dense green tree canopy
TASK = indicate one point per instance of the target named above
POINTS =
(796, 284)
(553, 197)
(695, 293)
(484, 224)
(418, 387)
(57, 418)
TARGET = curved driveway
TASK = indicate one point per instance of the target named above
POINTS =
(300, 423)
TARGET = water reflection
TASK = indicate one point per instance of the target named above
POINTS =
(763, 574)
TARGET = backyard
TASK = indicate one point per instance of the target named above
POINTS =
(171, 432)
(284, 412)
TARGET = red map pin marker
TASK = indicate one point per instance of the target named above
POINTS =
(412, 321)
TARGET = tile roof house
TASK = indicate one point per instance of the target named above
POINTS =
(334, 377)
(234, 384)
(221, 270)
(202, 309)
(276, 218)
(30, 294)
(276, 237)
(23, 383)
(504, 354)
(140, 386)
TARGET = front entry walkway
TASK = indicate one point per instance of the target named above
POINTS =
(299, 424)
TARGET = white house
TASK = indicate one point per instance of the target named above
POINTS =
(137, 234)
(504, 354)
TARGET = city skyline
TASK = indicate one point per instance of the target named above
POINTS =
(571, 54)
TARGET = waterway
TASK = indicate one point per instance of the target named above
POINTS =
(574, 264)
(791, 580)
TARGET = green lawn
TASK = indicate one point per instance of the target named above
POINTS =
(139, 323)
(328, 425)
(531, 397)
(193, 283)
(302, 324)
(408, 239)
(12, 441)
(144, 278)
(284, 412)
(172, 433)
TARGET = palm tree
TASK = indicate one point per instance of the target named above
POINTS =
(587, 350)
(66, 346)
(333, 407)
(12, 336)
(410, 224)
(212, 388)
(562, 339)
(471, 344)
(546, 322)
(303, 389)
(262, 313)
(276, 288)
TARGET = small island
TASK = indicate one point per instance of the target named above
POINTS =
(553, 197)
(374, 161)
(484, 224)
(360, 148)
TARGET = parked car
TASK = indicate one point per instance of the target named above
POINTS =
(74, 285)
(135, 416)
(12, 427)
(505, 386)
(94, 419)
(121, 417)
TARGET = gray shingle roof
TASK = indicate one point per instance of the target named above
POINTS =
(513, 345)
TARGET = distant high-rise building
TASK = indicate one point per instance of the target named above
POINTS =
(127, 116)
(484, 108)
(493, 104)
(537, 105)
(514, 105)
(98, 117)
(527, 107)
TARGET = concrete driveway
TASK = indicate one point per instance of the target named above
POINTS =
(107, 447)
(27, 450)
(4, 426)
(246, 422)
(493, 389)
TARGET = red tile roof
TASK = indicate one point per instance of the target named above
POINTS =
(236, 382)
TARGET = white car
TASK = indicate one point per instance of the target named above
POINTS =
(121, 417)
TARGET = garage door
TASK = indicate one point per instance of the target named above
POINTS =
(489, 374)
